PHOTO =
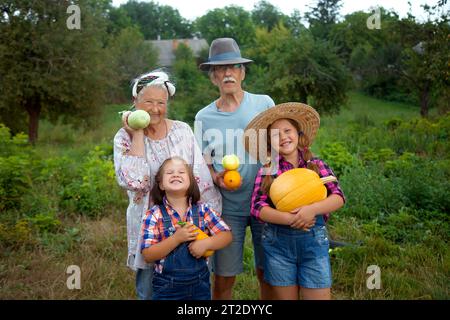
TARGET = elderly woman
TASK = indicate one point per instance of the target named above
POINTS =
(138, 155)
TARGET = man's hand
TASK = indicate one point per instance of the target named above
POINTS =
(218, 180)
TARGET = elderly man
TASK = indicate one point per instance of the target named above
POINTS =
(219, 129)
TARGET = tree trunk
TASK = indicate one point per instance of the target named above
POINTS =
(33, 108)
(425, 100)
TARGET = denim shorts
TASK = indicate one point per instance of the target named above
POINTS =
(228, 261)
(295, 257)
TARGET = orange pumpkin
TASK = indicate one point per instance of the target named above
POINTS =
(298, 187)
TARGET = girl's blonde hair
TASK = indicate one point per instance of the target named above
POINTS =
(305, 153)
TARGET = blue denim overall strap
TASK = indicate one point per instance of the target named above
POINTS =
(180, 265)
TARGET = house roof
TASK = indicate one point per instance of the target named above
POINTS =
(167, 49)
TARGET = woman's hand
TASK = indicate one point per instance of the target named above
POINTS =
(132, 132)
(305, 218)
(184, 234)
(198, 247)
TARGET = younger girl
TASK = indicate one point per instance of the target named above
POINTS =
(296, 260)
(181, 273)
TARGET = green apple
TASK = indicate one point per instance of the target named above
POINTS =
(230, 162)
(138, 119)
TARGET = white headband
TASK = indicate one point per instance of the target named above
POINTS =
(160, 78)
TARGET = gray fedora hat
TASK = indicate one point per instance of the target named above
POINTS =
(223, 51)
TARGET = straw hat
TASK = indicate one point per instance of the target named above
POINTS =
(307, 118)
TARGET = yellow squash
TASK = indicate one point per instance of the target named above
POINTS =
(200, 235)
(298, 187)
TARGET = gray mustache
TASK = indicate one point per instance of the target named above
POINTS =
(228, 79)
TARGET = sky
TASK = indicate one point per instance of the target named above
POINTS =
(194, 8)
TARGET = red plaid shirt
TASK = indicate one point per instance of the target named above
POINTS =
(153, 231)
(261, 199)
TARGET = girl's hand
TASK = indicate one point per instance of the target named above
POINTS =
(184, 234)
(305, 218)
(198, 247)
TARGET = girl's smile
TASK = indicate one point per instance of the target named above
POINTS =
(175, 177)
(283, 137)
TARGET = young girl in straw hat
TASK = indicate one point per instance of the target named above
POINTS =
(296, 260)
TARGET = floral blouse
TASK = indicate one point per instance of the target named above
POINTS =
(137, 174)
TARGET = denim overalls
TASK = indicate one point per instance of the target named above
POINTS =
(183, 276)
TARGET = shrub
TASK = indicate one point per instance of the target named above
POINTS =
(62, 242)
(423, 136)
(338, 158)
(15, 180)
(16, 235)
(393, 123)
(94, 188)
(369, 193)
(45, 222)
(10, 145)
(381, 155)
(421, 181)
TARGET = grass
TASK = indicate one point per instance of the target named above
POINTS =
(409, 269)
(99, 250)
(64, 139)
(362, 110)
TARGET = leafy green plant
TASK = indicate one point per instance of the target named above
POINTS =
(45, 222)
(62, 242)
(338, 157)
(381, 155)
(94, 188)
(16, 235)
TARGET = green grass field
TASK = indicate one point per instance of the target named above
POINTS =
(408, 241)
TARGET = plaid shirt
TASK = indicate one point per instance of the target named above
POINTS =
(260, 199)
(153, 232)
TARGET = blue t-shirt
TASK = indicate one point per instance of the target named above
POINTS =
(220, 133)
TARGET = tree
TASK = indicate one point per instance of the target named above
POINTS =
(323, 16)
(425, 66)
(294, 23)
(132, 56)
(156, 21)
(48, 70)
(373, 55)
(266, 15)
(231, 21)
(172, 25)
(118, 19)
(301, 69)
(194, 90)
